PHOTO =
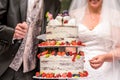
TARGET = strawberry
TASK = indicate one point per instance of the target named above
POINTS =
(81, 53)
(70, 53)
(79, 43)
(85, 73)
(65, 21)
(74, 42)
(53, 53)
(59, 53)
(69, 75)
(43, 44)
(81, 74)
(62, 43)
(51, 75)
(47, 75)
(37, 74)
(43, 74)
(53, 42)
(38, 56)
(45, 52)
(62, 53)
(64, 75)
(58, 75)
(74, 57)
(82, 44)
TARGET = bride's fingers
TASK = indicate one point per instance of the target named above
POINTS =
(95, 66)
(94, 61)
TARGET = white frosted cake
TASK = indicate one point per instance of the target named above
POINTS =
(62, 64)
(56, 64)
(62, 29)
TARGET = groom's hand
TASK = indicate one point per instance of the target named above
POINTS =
(96, 62)
(20, 30)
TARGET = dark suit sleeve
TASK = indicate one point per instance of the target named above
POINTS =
(6, 32)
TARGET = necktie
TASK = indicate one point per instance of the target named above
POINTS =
(28, 49)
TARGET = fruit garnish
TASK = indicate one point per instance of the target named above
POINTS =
(62, 53)
(43, 74)
(62, 43)
(78, 56)
(66, 21)
(53, 42)
(74, 42)
(79, 43)
(38, 56)
(67, 53)
(67, 43)
(81, 74)
(74, 57)
(47, 55)
(49, 16)
(69, 75)
(53, 53)
(64, 75)
(37, 74)
(76, 75)
(65, 13)
(59, 53)
(57, 75)
(47, 75)
(51, 75)
(70, 53)
(45, 52)
(85, 73)
(81, 53)
(57, 43)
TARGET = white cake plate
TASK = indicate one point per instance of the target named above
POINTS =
(78, 78)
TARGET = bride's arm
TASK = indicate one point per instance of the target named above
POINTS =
(97, 61)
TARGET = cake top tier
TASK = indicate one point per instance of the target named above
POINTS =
(62, 19)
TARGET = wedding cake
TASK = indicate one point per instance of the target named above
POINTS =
(61, 32)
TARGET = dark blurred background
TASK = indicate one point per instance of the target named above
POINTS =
(65, 4)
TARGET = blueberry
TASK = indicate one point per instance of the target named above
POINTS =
(67, 53)
(76, 75)
(65, 13)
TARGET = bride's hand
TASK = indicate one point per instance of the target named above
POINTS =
(96, 62)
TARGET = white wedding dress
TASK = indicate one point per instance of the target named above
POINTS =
(98, 41)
